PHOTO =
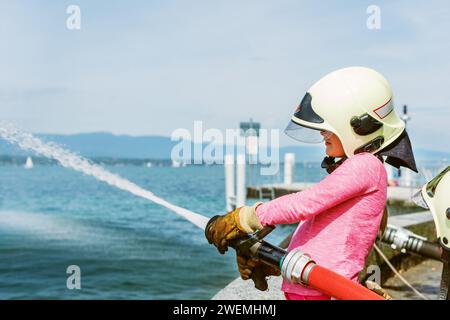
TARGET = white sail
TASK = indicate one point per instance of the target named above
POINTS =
(29, 163)
(176, 163)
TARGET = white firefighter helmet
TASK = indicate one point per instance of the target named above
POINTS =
(356, 104)
(435, 195)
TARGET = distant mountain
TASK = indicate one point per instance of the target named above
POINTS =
(116, 146)
(107, 145)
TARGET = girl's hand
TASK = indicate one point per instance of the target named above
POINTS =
(256, 270)
(226, 228)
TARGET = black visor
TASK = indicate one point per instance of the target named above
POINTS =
(302, 132)
(305, 110)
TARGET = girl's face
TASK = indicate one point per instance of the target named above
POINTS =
(333, 144)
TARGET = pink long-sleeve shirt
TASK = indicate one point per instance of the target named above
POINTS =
(339, 217)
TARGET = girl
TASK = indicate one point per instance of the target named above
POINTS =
(351, 110)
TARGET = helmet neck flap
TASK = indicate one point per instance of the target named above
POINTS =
(399, 153)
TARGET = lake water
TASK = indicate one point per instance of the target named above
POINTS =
(125, 246)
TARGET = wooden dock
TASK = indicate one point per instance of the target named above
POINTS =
(396, 195)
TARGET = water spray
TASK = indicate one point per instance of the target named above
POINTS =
(73, 161)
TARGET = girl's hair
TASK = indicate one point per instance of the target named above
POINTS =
(383, 223)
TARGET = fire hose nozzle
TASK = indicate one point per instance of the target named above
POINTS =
(406, 241)
(247, 245)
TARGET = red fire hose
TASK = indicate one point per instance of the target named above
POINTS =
(339, 287)
(297, 267)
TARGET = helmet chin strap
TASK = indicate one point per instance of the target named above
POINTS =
(330, 163)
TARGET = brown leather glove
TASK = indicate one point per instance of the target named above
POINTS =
(231, 226)
(256, 270)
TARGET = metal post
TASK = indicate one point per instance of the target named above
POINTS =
(405, 117)
(407, 178)
(389, 172)
(230, 196)
(289, 163)
(241, 191)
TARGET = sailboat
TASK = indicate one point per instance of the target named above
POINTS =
(176, 163)
(29, 163)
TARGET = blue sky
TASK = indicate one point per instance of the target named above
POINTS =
(149, 67)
